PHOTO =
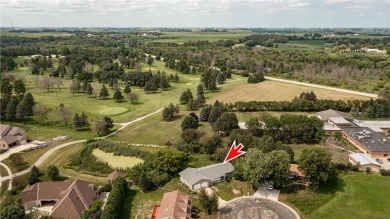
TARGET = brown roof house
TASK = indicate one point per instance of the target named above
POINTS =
(295, 172)
(114, 175)
(174, 205)
(11, 136)
(69, 198)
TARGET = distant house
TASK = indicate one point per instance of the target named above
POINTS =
(364, 161)
(11, 136)
(114, 175)
(174, 205)
(330, 113)
(196, 178)
(295, 172)
(68, 199)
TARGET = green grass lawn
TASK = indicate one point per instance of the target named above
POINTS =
(3, 171)
(356, 195)
(233, 189)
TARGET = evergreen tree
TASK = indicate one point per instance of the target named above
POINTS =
(150, 61)
(118, 96)
(227, 122)
(34, 174)
(6, 88)
(77, 123)
(21, 111)
(201, 100)
(216, 112)
(144, 183)
(30, 102)
(166, 114)
(150, 86)
(84, 120)
(19, 87)
(205, 112)
(89, 90)
(191, 105)
(177, 79)
(104, 92)
(52, 172)
(85, 85)
(199, 90)
(127, 89)
(193, 70)
(184, 98)
(189, 122)
(10, 111)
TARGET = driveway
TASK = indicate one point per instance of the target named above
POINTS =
(255, 208)
(19, 148)
(263, 192)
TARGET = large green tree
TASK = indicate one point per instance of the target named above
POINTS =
(19, 87)
(317, 165)
(53, 172)
(189, 122)
(104, 92)
(118, 96)
(227, 122)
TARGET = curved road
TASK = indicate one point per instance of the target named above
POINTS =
(322, 87)
(51, 151)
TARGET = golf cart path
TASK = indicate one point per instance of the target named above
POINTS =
(54, 149)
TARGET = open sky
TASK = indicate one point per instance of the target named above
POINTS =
(195, 13)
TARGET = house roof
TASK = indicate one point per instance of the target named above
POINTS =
(377, 126)
(326, 114)
(214, 171)
(114, 175)
(363, 159)
(4, 129)
(175, 205)
(72, 197)
(339, 121)
(366, 137)
(294, 170)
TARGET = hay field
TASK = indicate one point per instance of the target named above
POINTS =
(116, 161)
(278, 91)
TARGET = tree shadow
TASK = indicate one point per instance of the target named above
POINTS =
(128, 203)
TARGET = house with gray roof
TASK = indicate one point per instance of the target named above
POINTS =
(196, 178)
(364, 161)
(11, 136)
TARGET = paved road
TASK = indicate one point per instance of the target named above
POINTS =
(254, 208)
(322, 87)
(51, 151)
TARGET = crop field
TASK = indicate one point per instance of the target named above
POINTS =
(116, 161)
(277, 91)
(181, 37)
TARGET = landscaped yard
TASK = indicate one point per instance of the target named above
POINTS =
(116, 161)
(356, 195)
(233, 189)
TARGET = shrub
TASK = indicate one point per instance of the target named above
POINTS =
(115, 200)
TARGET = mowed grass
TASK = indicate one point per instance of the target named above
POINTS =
(355, 196)
(154, 130)
(116, 161)
(3, 171)
(233, 189)
(278, 91)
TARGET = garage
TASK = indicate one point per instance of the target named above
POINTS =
(201, 184)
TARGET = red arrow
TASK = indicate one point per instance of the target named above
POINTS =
(234, 152)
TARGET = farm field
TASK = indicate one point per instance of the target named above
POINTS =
(277, 91)
(182, 37)
(116, 161)
(355, 195)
